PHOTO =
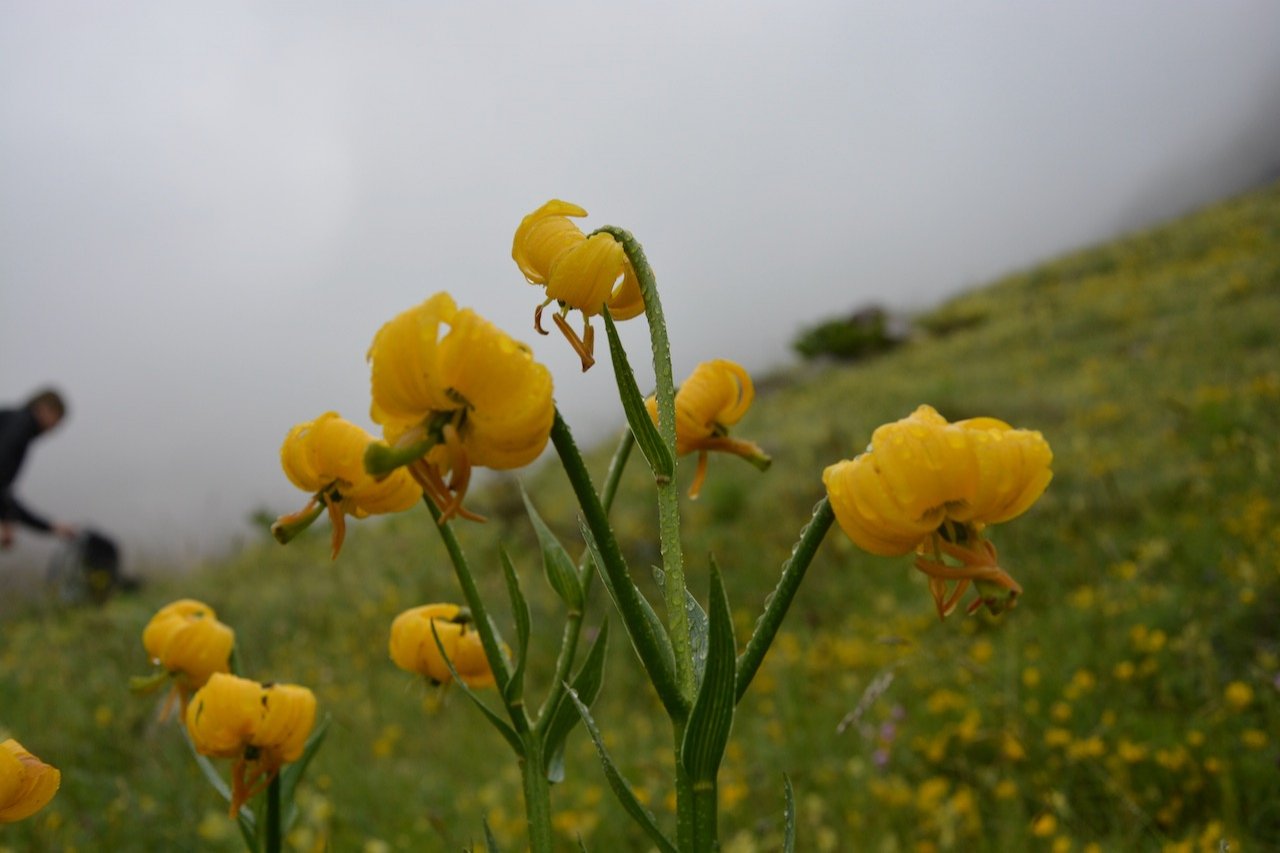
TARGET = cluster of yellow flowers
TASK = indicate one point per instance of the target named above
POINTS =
(261, 726)
(27, 784)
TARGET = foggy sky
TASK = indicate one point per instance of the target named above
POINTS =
(206, 211)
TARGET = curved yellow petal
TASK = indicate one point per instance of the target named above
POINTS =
(288, 715)
(627, 300)
(413, 644)
(585, 276)
(27, 784)
(200, 649)
(169, 620)
(543, 236)
(223, 715)
(404, 372)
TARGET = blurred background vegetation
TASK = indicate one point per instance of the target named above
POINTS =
(1130, 701)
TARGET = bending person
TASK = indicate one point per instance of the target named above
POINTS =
(18, 428)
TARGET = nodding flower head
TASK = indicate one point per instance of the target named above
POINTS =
(453, 391)
(326, 458)
(27, 784)
(262, 726)
(714, 397)
(929, 486)
(187, 641)
(580, 272)
(414, 648)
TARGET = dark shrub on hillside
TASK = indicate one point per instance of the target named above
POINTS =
(863, 333)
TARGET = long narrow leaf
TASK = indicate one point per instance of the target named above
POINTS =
(697, 618)
(489, 840)
(520, 611)
(587, 685)
(244, 818)
(643, 428)
(562, 574)
(292, 774)
(621, 788)
(711, 717)
(498, 723)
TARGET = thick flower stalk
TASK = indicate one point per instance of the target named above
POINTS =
(714, 397)
(27, 784)
(326, 458)
(928, 486)
(414, 646)
(579, 272)
(186, 640)
(261, 726)
(452, 391)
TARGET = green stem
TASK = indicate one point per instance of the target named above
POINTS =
(704, 816)
(615, 566)
(537, 794)
(780, 600)
(274, 836)
(573, 623)
(492, 651)
(673, 587)
(684, 792)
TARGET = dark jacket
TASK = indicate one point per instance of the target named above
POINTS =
(18, 428)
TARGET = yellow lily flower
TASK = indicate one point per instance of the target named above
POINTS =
(186, 639)
(928, 486)
(261, 726)
(27, 784)
(326, 458)
(714, 397)
(452, 391)
(579, 272)
(413, 645)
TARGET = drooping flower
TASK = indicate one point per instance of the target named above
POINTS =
(326, 458)
(186, 640)
(453, 391)
(714, 397)
(579, 272)
(928, 486)
(27, 784)
(261, 726)
(413, 645)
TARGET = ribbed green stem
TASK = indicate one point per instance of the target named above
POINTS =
(684, 792)
(615, 566)
(480, 613)
(783, 594)
(537, 794)
(573, 623)
(673, 587)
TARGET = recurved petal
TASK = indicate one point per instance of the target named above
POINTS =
(469, 660)
(223, 715)
(413, 645)
(200, 649)
(395, 493)
(169, 620)
(627, 300)
(296, 458)
(1013, 471)
(543, 236)
(27, 784)
(584, 276)
(869, 513)
(288, 715)
(404, 372)
(924, 464)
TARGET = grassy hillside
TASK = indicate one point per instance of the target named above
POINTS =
(1130, 701)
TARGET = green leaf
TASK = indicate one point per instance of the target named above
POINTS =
(561, 572)
(587, 684)
(244, 818)
(697, 619)
(621, 788)
(653, 624)
(498, 723)
(642, 426)
(520, 610)
(789, 817)
(292, 774)
(489, 841)
(711, 717)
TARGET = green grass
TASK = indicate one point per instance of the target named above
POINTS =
(1093, 713)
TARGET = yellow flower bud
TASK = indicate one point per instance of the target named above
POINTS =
(579, 272)
(714, 397)
(413, 645)
(326, 458)
(27, 784)
(187, 640)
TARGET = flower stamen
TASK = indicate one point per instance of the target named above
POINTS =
(582, 348)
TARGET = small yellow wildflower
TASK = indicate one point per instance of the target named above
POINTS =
(928, 486)
(452, 391)
(714, 397)
(326, 458)
(413, 645)
(261, 726)
(27, 784)
(1044, 825)
(186, 639)
(579, 272)
(1238, 695)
